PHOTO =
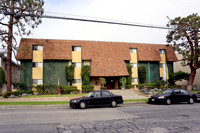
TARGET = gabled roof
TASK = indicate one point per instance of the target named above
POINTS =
(107, 58)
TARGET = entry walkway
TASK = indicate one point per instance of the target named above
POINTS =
(129, 94)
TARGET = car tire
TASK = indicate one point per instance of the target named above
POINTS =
(113, 104)
(83, 105)
(191, 101)
(168, 101)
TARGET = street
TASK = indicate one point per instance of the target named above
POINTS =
(132, 118)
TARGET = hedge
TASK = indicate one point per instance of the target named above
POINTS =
(68, 89)
(87, 88)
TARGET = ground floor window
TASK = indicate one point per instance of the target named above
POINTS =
(134, 80)
(37, 81)
(77, 81)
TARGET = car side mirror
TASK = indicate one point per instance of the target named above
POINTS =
(92, 96)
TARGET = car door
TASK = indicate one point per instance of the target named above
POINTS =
(184, 96)
(95, 98)
(106, 97)
(176, 96)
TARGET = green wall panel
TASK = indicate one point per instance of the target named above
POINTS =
(26, 73)
(52, 69)
(170, 67)
(154, 70)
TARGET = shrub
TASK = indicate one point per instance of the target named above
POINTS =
(21, 92)
(129, 86)
(103, 81)
(30, 92)
(2, 76)
(142, 73)
(85, 74)
(18, 85)
(103, 88)
(129, 78)
(40, 89)
(51, 89)
(68, 89)
(15, 93)
(87, 88)
(7, 94)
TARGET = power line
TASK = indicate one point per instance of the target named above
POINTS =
(89, 20)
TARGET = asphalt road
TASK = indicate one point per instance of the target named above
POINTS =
(133, 118)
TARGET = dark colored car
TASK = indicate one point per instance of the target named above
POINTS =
(198, 96)
(173, 96)
(97, 98)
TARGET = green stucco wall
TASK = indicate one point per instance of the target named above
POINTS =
(170, 67)
(51, 71)
(26, 73)
(154, 70)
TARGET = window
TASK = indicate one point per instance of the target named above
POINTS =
(37, 64)
(183, 92)
(134, 65)
(162, 51)
(106, 94)
(134, 80)
(77, 64)
(133, 50)
(77, 81)
(37, 81)
(75, 48)
(97, 94)
(37, 48)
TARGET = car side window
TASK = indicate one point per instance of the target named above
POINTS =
(184, 92)
(97, 94)
(106, 94)
(176, 92)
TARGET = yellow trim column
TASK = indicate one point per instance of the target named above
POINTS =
(77, 60)
(134, 61)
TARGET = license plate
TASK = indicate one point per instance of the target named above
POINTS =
(152, 100)
(198, 98)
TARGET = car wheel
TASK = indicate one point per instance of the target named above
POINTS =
(168, 101)
(82, 105)
(191, 101)
(114, 104)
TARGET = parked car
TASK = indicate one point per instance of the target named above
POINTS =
(198, 96)
(172, 96)
(97, 98)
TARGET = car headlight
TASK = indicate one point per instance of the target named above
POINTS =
(161, 97)
(75, 101)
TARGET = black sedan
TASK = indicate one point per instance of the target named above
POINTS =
(96, 98)
(198, 96)
(172, 96)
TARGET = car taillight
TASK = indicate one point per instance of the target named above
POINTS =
(122, 97)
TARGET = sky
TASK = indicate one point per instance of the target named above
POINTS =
(153, 12)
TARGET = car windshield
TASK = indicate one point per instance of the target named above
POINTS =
(165, 92)
(89, 94)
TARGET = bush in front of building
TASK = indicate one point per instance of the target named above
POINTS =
(2, 76)
(7, 94)
(142, 73)
(87, 88)
(40, 89)
(68, 89)
(51, 89)
(129, 86)
(129, 78)
(103, 88)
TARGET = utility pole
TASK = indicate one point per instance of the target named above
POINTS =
(9, 48)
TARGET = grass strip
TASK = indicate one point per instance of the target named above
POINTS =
(135, 100)
(56, 102)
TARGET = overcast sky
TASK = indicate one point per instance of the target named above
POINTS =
(152, 12)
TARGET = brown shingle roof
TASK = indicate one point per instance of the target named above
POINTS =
(107, 58)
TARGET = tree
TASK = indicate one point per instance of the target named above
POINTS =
(123, 82)
(69, 73)
(178, 76)
(19, 13)
(184, 36)
(103, 81)
(142, 73)
(129, 78)
(85, 74)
